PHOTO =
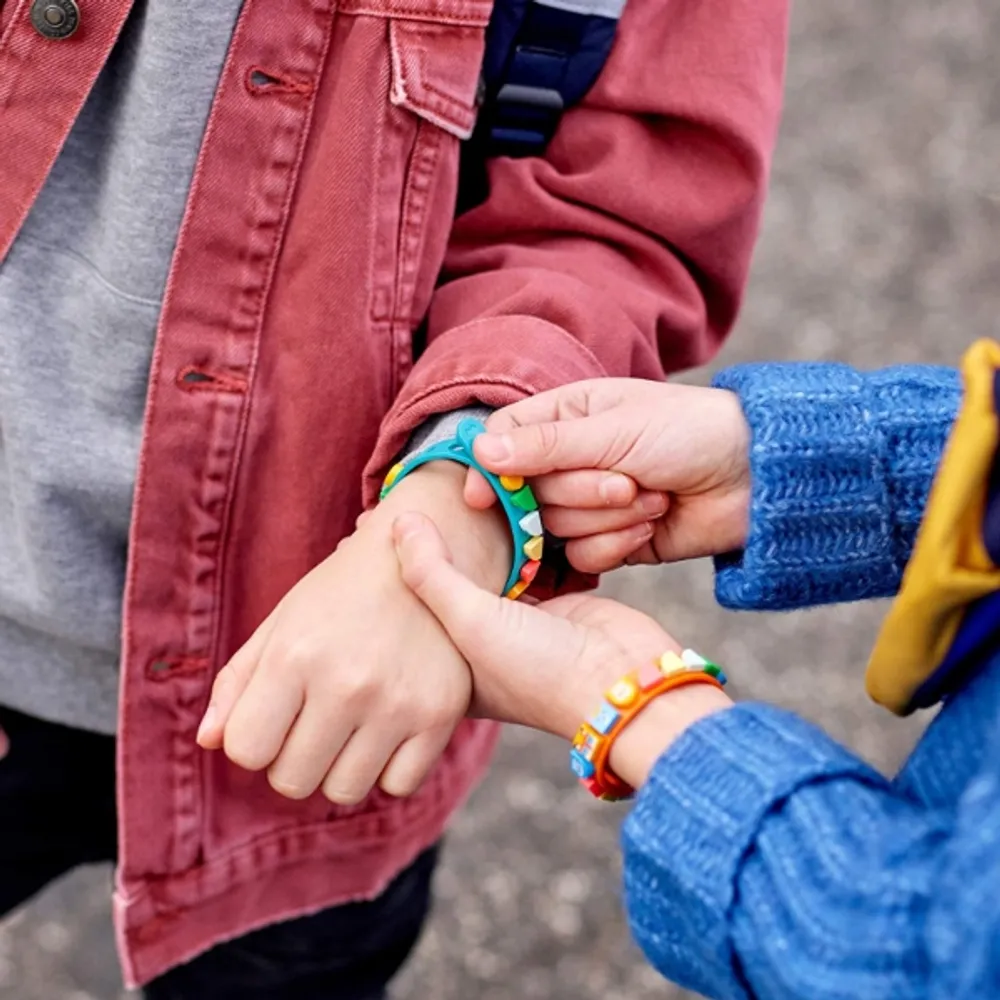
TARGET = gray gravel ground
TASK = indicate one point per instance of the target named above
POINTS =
(879, 246)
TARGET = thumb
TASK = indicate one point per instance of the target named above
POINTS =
(507, 643)
(520, 656)
(478, 493)
(462, 608)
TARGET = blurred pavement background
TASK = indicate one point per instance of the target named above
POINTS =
(880, 245)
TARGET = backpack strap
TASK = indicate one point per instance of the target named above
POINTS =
(542, 56)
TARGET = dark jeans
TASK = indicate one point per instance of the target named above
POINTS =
(57, 811)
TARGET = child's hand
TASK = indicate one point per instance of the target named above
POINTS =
(686, 448)
(351, 681)
(547, 666)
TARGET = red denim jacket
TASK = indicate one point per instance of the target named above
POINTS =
(319, 236)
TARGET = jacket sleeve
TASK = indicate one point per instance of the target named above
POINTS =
(762, 860)
(841, 466)
(625, 250)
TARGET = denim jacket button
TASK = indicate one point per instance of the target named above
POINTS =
(55, 19)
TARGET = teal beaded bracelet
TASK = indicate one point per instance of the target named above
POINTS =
(515, 496)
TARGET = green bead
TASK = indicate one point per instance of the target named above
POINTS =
(524, 499)
(712, 669)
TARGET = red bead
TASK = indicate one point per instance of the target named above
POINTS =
(530, 570)
(649, 676)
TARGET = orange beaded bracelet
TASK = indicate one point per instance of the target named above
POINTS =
(588, 759)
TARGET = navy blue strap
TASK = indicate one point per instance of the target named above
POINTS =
(542, 56)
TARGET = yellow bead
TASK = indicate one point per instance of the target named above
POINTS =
(533, 548)
(671, 663)
(511, 483)
(517, 590)
(587, 741)
(623, 694)
(393, 474)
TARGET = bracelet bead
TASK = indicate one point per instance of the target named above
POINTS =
(516, 499)
(623, 701)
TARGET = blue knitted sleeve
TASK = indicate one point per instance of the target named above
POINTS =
(765, 862)
(841, 465)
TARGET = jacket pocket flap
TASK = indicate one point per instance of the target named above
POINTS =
(436, 70)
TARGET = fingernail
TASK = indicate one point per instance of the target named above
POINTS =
(644, 532)
(615, 489)
(495, 448)
(405, 527)
(207, 722)
(653, 504)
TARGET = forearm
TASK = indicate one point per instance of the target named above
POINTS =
(625, 250)
(764, 860)
(841, 466)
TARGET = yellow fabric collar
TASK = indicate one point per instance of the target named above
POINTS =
(951, 568)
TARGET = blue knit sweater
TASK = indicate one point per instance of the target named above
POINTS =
(764, 860)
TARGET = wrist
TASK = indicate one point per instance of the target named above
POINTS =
(659, 725)
(479, 540)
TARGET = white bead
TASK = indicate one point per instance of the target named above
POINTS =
(531, 524)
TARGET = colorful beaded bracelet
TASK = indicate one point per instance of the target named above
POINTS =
(515, 496)
(588, 759)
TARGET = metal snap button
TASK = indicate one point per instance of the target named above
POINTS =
(55, 19)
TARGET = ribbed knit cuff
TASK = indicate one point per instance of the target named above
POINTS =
(696, 819)
(443, 428)
(841, 464)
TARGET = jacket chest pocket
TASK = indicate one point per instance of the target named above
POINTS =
(375, 195)
(435, 62)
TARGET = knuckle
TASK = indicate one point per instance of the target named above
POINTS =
(500, 421)
(357, 690)
(430, 710)
(224, 678)
(397, 706)
(244, 752)
(401, 784)
(341, 794)
(287, 787)
(218, 685)
(547, 438)
(297, 654)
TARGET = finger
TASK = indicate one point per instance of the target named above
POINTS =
(411, 763)
(4, 745)
(478, 493)
(578, 488)
(262, 718)
(602, 553)
(362, 517)
(308, 751)
(230, 683)
(586, 488)
(570, 522)
(537, 449)
(645, 555)
(358, 766)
